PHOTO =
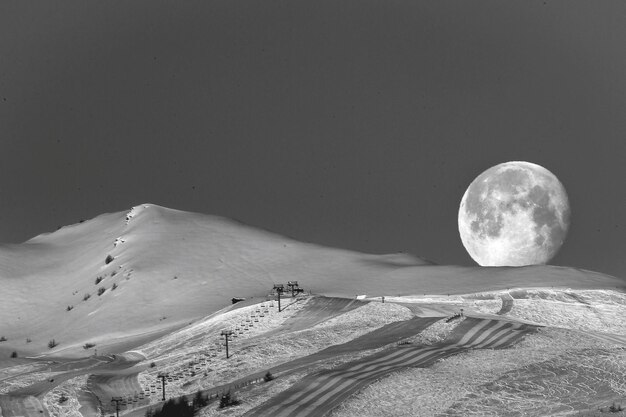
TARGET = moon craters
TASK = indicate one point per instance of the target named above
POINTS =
(516, 213)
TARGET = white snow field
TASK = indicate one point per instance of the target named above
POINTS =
(175, 267)
(149, 291)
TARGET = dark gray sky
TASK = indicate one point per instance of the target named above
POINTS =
(350, 123)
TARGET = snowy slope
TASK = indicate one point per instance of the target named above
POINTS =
(171, 267)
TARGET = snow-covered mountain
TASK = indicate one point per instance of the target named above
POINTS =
(131, 275)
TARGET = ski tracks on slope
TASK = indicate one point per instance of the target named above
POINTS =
(319, 393)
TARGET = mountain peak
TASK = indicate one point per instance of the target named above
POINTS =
(151, 268)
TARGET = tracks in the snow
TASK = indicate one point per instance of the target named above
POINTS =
(319, 393)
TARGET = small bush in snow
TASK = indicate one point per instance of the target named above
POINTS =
(200, 400)
(101, 290)
(14, 354)
(69, 308)
(86, 297)
(228, 400)
(52, 343)
(3, 339)
(108, 260)
(99, 280)
(173, 408)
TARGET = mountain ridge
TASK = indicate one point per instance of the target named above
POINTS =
(125, 274)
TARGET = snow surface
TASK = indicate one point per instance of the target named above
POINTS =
(172, 267)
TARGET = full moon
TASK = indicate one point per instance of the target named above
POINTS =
(514, 214)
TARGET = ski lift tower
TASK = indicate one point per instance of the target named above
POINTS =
(117, 401)
(279, 288)
(227, 334)
(163, 377)
(293, 287)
